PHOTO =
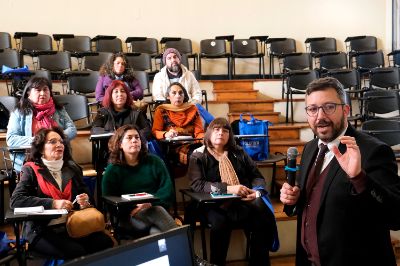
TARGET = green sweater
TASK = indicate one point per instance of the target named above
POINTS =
(149, 176)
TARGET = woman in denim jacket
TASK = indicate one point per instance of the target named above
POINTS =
(37, 109)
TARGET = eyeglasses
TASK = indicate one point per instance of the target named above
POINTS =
(55, 141)
(328, 108)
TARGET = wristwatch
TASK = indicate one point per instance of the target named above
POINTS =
(258, 194)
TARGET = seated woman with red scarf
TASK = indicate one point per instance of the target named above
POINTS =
(52, 179)
(36, 109)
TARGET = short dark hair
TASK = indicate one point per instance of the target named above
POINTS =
(116, 153)
(220, 122)
(322, 84)
(185, 94)
(39, 141)
(107, 100)
(25, 106)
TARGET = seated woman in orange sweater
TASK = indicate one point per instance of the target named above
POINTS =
(176, 118)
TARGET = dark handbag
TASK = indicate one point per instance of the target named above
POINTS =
(85, 222)
(256, 147)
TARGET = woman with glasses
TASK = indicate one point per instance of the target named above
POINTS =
(116, 68)
(36, 109)
(52, 179)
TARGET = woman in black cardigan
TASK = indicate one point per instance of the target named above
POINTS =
(220, 166)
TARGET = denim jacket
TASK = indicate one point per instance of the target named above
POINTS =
(19, 131)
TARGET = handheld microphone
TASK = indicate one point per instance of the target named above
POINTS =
(291, 168)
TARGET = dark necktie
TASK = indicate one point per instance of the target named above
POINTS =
(316, 168)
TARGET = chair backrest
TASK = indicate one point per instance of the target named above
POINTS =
(300, 79)
(94, 62)
(75, 105)
(111, 46)
(143, 78)
(212, 47)
(141, 62)
(77, 44)
(367, 43)
(370, 60)
(325, 45)
(297, 61)
(388, 131)
(387, 77)
(244, 47)
(350, 78)
(41, 73)
(10, 58)
(381, 102)
(149, 46)
(285, 46)
(84, 84)
(5, 40)
(41, 42)
(55, 62)
(333, 61)
(9, 102)
(184, 46)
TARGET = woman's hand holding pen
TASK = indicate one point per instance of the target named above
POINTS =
(82, 200)
(172, 133)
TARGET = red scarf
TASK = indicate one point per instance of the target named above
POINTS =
(48, 188)
(44, 114)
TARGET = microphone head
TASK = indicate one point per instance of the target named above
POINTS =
(292, 153)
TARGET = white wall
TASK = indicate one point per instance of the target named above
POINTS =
(199, 20)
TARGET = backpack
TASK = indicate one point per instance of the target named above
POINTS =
(4, 116)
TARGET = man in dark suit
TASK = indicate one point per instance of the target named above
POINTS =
(347, 197)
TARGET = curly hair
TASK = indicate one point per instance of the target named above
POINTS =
(220, 122)
(117, 155)
(107, 100)
(25, 106)
(185, 93)
(107, 69)
(39, 141)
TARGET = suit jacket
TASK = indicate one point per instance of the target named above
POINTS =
(353, 229)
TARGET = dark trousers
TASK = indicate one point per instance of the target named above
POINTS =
(253, 216)
(57, 244)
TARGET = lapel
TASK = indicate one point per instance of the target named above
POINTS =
(307, 163)
(335, 167)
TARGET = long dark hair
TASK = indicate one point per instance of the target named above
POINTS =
(114, 145)
(220, 122)
(107, 69)
(25, 106)
(39, 141)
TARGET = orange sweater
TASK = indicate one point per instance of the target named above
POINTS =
(186, 122)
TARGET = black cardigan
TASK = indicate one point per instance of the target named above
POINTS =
(204, 171)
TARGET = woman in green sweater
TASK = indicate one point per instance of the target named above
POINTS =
(133, 170)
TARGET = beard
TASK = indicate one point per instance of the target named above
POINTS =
(333, 132)
(174, 68)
